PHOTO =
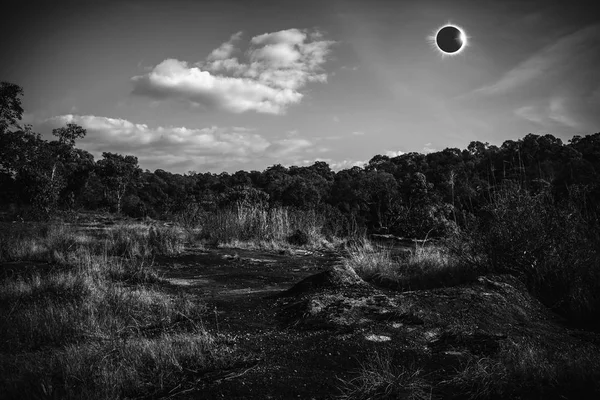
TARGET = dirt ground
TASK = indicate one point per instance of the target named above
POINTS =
(303, 331)
(239, 288)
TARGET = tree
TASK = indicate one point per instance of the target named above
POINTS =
(67, 135)
(322, 168)
(11, 110)
(117, 173)
(64, 147)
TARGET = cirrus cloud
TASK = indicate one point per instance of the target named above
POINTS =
(558, 85)
(279, 65)
(558, 63)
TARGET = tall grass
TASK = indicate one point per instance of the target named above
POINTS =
(419, 267)
(261, 225)
(130, 368)
(54, 242)
(91, 321)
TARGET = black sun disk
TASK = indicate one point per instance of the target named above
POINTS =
(449, 39)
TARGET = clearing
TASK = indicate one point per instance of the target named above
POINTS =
(306, 323)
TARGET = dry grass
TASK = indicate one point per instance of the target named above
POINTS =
(55, 243)
(264, 228)
(369, 260)
(91, 321)
(135, 367)
(523, 368)
(422, 267)
(526, 369)
(379, 378)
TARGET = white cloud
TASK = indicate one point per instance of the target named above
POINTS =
(393, 154)
(334, 165)
(347, 164)
(180, 149)
(279, 65)
(428, 149)
(225, 50)
(358, 133)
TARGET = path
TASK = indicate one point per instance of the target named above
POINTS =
(237, 284)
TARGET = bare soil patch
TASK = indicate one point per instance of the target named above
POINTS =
(306, 322)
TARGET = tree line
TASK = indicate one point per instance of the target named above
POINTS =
(411, 195)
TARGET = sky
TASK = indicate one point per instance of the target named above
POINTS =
(224, 85)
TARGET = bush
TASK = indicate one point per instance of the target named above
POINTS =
(553, 247)
(298, 238)
(165, 241)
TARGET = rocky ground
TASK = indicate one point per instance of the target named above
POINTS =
(307, 324)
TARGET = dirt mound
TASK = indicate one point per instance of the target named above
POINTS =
(336, 277)
(474, 317)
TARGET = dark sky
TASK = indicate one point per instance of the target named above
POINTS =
(228, 85)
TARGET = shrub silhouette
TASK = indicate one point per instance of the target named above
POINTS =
(298, 238)
(547, 244)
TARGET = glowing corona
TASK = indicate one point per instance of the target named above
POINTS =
(449, 40)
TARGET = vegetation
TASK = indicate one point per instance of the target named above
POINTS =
(381, 378)
(419, 267)
(95, 322)
(88, 306)
(411, 195)
(521, 369)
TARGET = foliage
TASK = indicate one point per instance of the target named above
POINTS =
(11, 109)
(411, 195)
(552, 245)
(118, 173)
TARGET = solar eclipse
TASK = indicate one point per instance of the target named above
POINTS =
(449, 40)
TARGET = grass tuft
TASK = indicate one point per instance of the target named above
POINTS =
(380, 378)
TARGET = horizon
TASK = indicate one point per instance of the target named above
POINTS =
(227, 86)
